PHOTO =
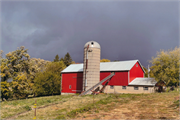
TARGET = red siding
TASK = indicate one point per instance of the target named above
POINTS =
(136, 72)
(73, 79)
(119, 79)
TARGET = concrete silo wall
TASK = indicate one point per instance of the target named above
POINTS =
(91, 75)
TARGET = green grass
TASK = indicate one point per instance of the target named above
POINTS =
(72, 107)
(88, 107)
(10, 108)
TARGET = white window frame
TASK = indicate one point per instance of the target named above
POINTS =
(123, 87)
(136, 88)
(111, 87)
(145, 88)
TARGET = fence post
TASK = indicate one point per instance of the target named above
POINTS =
(35, 110)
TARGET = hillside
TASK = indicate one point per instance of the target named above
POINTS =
(105, 106)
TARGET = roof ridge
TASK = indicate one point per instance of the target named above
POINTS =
(120, 61)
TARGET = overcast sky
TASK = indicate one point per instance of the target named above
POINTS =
(125, 30)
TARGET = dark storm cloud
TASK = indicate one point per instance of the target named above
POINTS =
(125, 30)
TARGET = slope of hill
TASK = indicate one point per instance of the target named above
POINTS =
(103, 106)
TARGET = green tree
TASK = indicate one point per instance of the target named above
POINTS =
(62, 59)
(5, 75)
(5, 70)
(67, 59)
(146, 71)
(18, 62)
(5, 91)
(165, 66)
(48, 81)
(56, 58)
(36, 65)
(21, 86)
(22, 70)
(105, 60)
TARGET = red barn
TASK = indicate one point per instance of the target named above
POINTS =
(128, 78)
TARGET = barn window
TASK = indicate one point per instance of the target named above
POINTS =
(136, 65)
(136, 88)
(145, 88)
(123, 87)
(69, 86)
(111, 87)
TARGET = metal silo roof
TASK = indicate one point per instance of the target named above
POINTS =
(105, 66)
(143, 81)
(93, 44)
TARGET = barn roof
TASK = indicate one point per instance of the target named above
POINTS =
(143, 81)
(73, 68)
(105, 66)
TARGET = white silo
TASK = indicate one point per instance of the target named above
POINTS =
(91, 68)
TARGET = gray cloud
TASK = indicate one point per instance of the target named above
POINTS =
(125, 30)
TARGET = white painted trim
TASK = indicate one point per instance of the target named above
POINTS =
(61, 84)
(143, 74)
(141, 66)
(128, 77)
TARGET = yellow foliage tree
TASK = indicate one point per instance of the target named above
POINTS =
(165, 66)
(105, 60)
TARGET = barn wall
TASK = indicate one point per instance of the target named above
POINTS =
(136, 71)
(73, 79)
(120, 78)
(129, 89)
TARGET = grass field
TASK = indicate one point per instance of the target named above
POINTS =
(104, 106)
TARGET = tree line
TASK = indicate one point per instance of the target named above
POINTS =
(22, 76)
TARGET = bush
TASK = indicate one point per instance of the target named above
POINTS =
(27, 108)
(48, 82)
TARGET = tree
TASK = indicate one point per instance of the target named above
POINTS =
(21, 86)
(48, 81)
(17, 66)
(146, 71)
(22, 70)
(165, 66)
(62, 59)
(5, 70)
(36, 66)
(5, 91)
(67, 59)
(18, 63)
(105, 60)
(5, 75)
(56, 58)
(1, 54)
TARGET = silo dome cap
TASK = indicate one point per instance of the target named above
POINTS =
(92, 44)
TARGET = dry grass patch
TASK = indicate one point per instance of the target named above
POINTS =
(151, 106)
(110, 106)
